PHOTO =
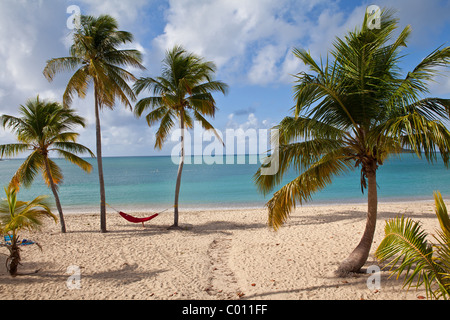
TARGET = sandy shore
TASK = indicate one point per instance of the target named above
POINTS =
(221, 255)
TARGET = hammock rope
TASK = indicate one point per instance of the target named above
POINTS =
(134, 219)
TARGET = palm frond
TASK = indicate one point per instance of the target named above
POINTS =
(415, 83)
(207, 126)
(132, 58)
(166, 125)
(83, 164)
(146, 84)
(13, 149)
(148, 103)
(301, 189)
(55, 172)
(54, 66)
(294, 129)
(407, 250)
(29, 169)
(417, 133)
(297, 156)
(72, 147)
(13, 123)
(79, 84)
(156, 115)
(442, 214)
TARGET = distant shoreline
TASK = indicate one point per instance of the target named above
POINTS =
(92, 210)
(169, 155)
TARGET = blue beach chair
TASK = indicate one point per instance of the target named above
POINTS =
(23, 242)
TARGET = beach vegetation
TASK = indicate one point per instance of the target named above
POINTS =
(97, 57)
(18, 215)
(352, 111)
(183, 94)
(406, 249)
(44, 128)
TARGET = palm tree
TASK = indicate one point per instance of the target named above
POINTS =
(183, 93)
(96, 58)
(353, 112)
(17, 215)
(405, 242)
(44, 127)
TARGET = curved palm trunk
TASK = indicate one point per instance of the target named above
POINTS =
(359, 256)
(55, 194)
(100, 164)
(180, 171)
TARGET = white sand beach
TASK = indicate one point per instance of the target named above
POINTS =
(220, 255)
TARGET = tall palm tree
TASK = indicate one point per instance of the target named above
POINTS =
(96, 58)
(183, 92)
(17, 215)
(45, 127)
(353, 112)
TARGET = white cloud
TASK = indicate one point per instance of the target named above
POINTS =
(253, 35)
(254, 38)
(28, 30)
(124, 11)
(252, 122)
(264, 68)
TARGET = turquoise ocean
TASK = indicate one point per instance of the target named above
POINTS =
(148, 183)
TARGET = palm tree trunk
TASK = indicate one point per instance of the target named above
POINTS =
(55, 194)
(359, 256)
(180, 170)
(100, 164)
(14, 257)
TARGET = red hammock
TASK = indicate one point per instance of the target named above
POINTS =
(137, 220)
(134, 219)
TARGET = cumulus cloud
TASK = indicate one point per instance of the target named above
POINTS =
(252, 122)
(125, 12)
(28, 30)
(256, 37)
(235, 34)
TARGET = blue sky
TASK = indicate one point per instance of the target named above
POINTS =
(251, 42)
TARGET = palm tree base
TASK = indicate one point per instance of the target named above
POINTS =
(13, 261)
(175, 227)
(353, 263)
(346, 269)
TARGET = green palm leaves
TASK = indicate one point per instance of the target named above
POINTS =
(183, 93)
(16, 215)
(353, 111)
(185, 88)
(44, 128)
(406, 248)
(96, 58)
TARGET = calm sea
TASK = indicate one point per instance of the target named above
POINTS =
(148, 183)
